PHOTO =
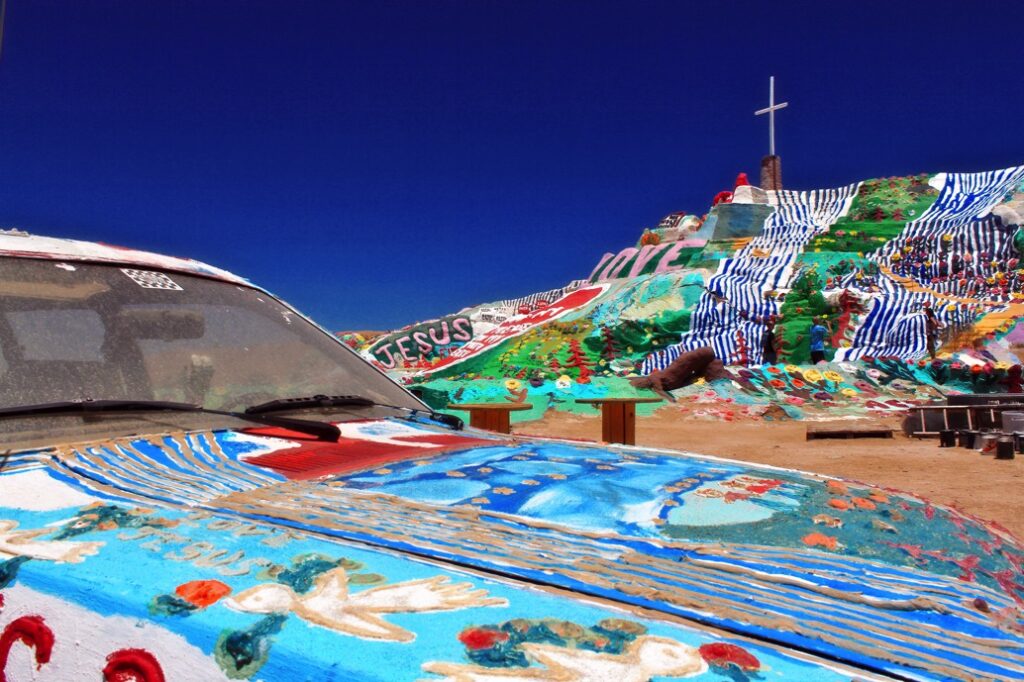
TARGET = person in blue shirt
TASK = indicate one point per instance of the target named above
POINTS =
(817, 339)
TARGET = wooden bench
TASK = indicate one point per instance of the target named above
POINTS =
(491, 416)
(817, 431)
(618, 417)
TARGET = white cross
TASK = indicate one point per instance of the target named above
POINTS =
(770, 110)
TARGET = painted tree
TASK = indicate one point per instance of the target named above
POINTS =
(579, 360)
(611, 348)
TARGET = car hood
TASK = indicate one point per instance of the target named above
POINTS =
(847, 572)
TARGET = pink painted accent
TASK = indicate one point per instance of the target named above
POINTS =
(618, 264)
(646, 255)
(600, 266)
(665, 264)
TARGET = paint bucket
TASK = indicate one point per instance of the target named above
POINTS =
(966, 439)
(947, 438)
(987, 443)
(1004, 447)
(1013, 421)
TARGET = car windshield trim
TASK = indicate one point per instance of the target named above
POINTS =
(327, 401)
(320, 430)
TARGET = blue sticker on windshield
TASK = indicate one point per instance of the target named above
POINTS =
(152, 280)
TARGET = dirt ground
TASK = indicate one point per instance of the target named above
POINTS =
(978, 484)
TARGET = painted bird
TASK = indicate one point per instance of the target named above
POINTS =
(15, 543)
(360, 614)
(646, 657)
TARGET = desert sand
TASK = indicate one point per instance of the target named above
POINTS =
(977, 484)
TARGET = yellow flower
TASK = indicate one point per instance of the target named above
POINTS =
(792, 369)
(849, 392)
(1002, 365)
(812, 375)
(833, 376)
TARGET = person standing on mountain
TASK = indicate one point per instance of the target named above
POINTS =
(817, 340)
(932, 326)
(769, 342)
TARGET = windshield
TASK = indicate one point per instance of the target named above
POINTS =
(73, 331)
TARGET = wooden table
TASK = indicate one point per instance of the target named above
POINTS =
(491, 416)
(618, 417)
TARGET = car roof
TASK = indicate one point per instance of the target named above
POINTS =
(19, 244)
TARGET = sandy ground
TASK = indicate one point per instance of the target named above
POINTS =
(978, 484)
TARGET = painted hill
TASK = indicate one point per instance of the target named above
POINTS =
(867, 256)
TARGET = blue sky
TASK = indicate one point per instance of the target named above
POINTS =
(375, 163)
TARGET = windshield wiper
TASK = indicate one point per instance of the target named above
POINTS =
(305, 402)
(322, 431)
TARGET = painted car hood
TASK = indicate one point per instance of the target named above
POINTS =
(854, 574)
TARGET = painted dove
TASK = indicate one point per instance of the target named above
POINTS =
(645, 658)
(24, 543)
(331, 605)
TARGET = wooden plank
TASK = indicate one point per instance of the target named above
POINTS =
(815, 432)
(629, 424)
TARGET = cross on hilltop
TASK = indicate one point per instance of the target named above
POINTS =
(771, 165)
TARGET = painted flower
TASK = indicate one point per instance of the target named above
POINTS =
(777, 383)
(774, 370)
(792, 369)
(849, 392)
(723, 655)
(874, 373)
(797, 383)
(202, 593)
(793, 400)
(812, 375)
(822, 395)
(833, 376)
(482, 638)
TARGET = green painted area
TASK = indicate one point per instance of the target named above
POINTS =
(802, 304)
(897, 199)
(878, 213)
(857, 238)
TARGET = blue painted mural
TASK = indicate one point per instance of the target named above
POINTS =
(182, 548)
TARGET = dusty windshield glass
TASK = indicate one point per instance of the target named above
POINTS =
(73, 331)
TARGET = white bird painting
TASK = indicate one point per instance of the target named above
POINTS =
(14, 543)
(644, 658)
(361, 614)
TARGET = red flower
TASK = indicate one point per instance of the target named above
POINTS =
(202, 593)
(777, 383)
(481, 638)
(722, 655)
